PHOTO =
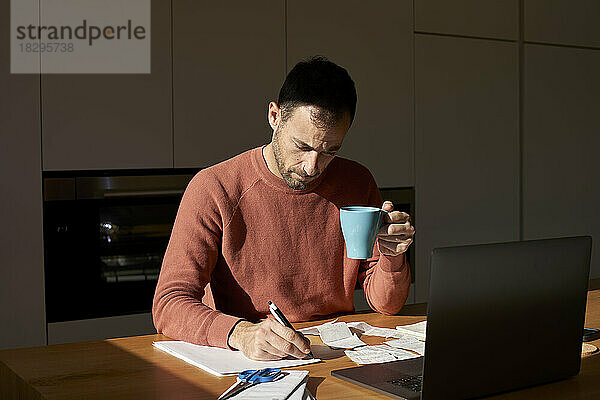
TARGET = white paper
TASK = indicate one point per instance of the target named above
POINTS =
(334, 332)
(362, 327)
(302, 393)
(299, 393)
(291, 383)
(314, 330)
(347, 343)
(369, 330)
(408, 342)
(400, 354)
(339, 335)
(219, 361)
(368, 355)
(417, 330)
(378, 354)
(403, 340)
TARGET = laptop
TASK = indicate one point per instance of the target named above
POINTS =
(500, 317)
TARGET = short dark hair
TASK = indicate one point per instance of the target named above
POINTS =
(318, 82)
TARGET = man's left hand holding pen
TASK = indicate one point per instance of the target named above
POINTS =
(268, 340)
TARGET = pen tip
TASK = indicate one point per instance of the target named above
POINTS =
(270, 302)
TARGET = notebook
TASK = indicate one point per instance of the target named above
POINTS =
(221, 362)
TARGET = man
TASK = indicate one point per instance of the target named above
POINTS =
(264, 225)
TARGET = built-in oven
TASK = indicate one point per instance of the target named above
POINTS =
(105, 235)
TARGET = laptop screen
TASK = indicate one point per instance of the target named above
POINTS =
(497, 312)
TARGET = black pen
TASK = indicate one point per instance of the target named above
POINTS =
(276, 312)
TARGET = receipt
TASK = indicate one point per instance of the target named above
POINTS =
(314, 330)
(370, 330)
(378, 354)
(408, 343)
(400, 354)
(418, 330)
(333, 332)
(369, 355)
(338, 335)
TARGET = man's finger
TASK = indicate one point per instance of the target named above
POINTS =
(396, 229)
(272, 351)
(392, 245)
(396, 217)
(396, 238)
(297, 338)
(394, 248)
(285, 346)
(299, 346)
(388, 206)
(262, 355)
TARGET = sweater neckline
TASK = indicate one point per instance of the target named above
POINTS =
(276, 182)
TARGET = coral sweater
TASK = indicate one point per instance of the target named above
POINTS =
(242, 237)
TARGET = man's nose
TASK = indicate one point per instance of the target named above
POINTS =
(311, 166)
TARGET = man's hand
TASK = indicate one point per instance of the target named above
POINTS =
(397, 233)
(268, 340)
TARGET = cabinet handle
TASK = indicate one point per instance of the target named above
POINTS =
(140, 193)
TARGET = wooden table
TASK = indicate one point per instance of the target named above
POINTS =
(130, 368)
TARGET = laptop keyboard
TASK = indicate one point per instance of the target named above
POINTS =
(409, 382)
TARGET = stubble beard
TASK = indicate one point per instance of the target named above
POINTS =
(285, 174)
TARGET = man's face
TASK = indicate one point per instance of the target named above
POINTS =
(303, 146)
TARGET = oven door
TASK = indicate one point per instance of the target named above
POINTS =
(104, 247)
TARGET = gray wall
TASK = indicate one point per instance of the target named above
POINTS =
(561, 99)
(22, 315)
(506, 100)
(561, 167)
(487, 108)
(228, 63)
(467, 158)
(375, 44)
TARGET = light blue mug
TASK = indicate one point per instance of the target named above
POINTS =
(360, 225)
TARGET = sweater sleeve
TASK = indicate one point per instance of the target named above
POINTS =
(189, 260)
(385, 279)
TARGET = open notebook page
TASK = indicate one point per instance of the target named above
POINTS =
(220, 362)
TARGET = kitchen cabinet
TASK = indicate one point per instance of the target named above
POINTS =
(228, 63)
(564, 22)
(561, 168)
(495, 19)
(467, 145)
(374, 42)
(22, 270)
(112, 121)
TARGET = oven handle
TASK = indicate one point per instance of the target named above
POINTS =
(140, 193)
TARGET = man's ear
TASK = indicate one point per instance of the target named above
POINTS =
(274, 115)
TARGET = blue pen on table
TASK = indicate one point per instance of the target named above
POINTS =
(276, 312)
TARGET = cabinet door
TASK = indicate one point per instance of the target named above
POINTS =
(228, 63)
(22, 271)
(374, 42)
(561, 168)
(467, 145)
(105, 121)
(497, 19)
(562, 22)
